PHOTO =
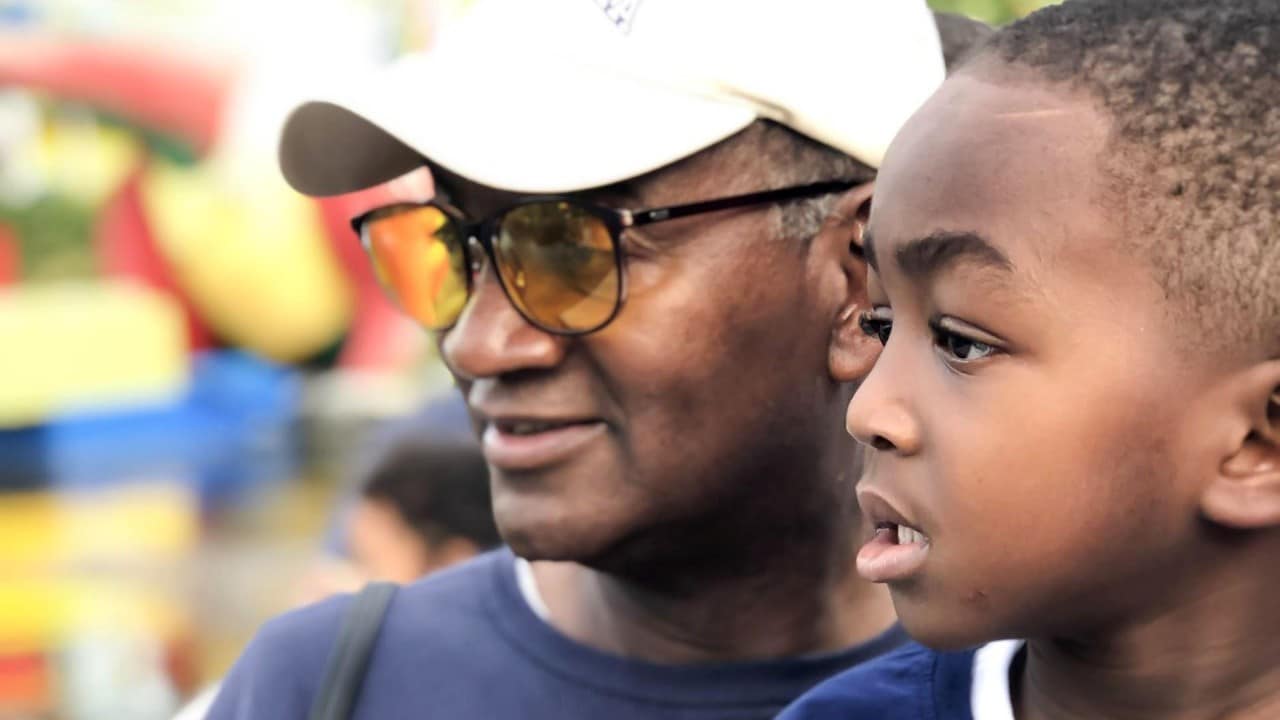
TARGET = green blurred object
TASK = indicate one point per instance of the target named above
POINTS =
(159, 144)
(996, 12)
(54, 236)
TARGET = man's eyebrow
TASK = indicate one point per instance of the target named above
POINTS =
(924, 257)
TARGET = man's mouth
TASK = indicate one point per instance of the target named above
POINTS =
(523, 444)
(533, 427)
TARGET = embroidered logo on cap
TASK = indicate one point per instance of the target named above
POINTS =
(620, 12)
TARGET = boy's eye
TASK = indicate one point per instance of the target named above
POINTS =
(960, 347)
(876, 326)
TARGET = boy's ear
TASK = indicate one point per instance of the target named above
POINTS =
(1245, 492)
(851, 353)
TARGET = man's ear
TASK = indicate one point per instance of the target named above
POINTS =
(1245, 492)
(851, 352)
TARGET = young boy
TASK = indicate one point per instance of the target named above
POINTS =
(1076, 273)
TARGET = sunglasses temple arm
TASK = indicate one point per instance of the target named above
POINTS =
(644, 217)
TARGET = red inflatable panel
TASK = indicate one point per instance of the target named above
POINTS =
(126, 249)
(9, 259)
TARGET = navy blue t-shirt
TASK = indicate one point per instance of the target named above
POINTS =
(911, 683)
(465, 644)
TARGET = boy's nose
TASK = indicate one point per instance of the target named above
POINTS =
(879, 416)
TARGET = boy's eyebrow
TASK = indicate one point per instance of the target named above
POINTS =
(924, 257)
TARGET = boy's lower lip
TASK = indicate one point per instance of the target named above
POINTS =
(882, 559)
(510, 451)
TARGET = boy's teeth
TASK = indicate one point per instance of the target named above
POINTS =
(908, 536)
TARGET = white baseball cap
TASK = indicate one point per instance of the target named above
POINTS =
(549, 96)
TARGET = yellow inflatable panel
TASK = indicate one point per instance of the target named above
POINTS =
(83, 160)
(101, 560)
(40, 613)
(254, 260)
(87, 346)
(45, 532)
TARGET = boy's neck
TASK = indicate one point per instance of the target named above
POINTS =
(1215, 654)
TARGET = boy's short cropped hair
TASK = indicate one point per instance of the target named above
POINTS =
(1194, 93)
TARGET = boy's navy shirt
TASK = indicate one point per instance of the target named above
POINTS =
(464, 643)
(911, 683)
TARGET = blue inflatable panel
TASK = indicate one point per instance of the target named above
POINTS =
(233, 429)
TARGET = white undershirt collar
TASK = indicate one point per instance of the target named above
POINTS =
(989, 697)
(529, 589)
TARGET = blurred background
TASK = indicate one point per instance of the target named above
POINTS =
(197, 371)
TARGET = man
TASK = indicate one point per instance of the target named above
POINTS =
(659, 386)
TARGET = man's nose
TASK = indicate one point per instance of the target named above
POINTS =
(880, 414)
(491, 338)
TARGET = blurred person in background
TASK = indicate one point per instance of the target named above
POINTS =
(444, 421)
(672, 477)
(424, 507)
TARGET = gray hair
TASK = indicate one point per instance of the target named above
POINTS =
(793, 159)
(767, 156)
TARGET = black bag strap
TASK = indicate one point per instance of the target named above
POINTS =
(344, 671)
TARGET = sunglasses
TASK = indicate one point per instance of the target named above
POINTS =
(559, 261)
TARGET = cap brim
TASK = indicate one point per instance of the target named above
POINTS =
(534, 125)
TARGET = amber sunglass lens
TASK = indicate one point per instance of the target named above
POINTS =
(559, 265)
(417, 254)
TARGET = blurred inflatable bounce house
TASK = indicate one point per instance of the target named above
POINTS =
(165, 302)
(162, 287)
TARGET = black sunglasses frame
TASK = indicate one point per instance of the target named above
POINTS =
(616, 221)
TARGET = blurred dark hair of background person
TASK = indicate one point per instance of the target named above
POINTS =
(424, 507)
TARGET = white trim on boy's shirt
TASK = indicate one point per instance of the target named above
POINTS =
(529, 589)
(989, 697)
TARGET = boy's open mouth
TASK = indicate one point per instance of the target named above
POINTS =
(902, 534)
(895, 552)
